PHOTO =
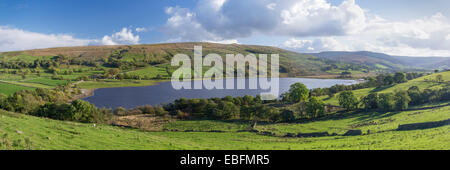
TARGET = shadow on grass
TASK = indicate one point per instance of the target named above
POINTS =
(381, 88)
(425, 125)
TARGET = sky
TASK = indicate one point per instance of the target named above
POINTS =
(399, 27)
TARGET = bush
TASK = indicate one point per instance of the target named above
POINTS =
(402, 100)
(315, 107)
(120, 111)
(370, 101)
(348, 100)
(87, 112)
(287, 116)
(56, 111)
(386, 101)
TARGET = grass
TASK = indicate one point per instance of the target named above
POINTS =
(27, 132)
(425, 82)
(206, 125)
(150, 72)
(116, 83)
(7, 89)
(373, 121)
(47, 81)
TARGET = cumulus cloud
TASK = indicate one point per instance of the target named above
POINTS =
(425, 36)
(125, 36)
(12, 39)
(18, 39)
(310, 25)
(315, 45)
(231, 19)
(319, 18)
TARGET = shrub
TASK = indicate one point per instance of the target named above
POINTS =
(315, 107)
(386, 101)
(348, 100)
(287, 116)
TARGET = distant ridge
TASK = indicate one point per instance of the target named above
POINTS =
(381, 60)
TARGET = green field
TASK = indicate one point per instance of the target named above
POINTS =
(7, 89)
(151, 72)
(426, 82)
(47, 81)
(27, 132)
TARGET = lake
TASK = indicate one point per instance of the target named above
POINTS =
(163, 93)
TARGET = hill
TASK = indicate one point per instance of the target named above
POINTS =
(291, 63)
(18, 131)
(384, 61)
(425, 82)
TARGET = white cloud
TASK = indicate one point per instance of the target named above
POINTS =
(14, 39)
(125, 36)
(271, 6)
(315, 45)
(418, 37)
(320, 18)
(311, 25)
(231, 19)
(141, 29)
(233, 41)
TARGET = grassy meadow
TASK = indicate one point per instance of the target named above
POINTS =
(425, 82)
(19, 131)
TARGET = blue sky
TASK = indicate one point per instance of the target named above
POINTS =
(400, 27)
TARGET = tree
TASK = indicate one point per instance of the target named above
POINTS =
(348, 100)
(298, 92)
(402, 100)
(400, 77)
(287, 116)
(370, 101)
(120, 111)
(315, 107)
(226, 110)
(386, 101)
(112, 72)
(86, 112)
(415, 95)
(388, 80)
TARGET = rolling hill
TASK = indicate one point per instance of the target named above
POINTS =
(384, 61)
(291, 63)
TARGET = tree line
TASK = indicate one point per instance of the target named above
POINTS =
(394, 101)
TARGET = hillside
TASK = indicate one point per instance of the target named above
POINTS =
(426, 82)
(18, 131)
(384, 61)
(292, 64)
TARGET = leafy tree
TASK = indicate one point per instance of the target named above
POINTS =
(400, 77)
(348, 100)
(86, 112)
(415, 95)
(226, 110)
(56, 111)
(287, 116)
(298, 92)
(388, 80)
(386, 101)
(315, 107)
(370, 101)
(402, 100)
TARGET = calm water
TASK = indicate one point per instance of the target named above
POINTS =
(130, 97)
